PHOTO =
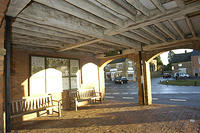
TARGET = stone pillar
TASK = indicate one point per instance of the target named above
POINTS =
(101, 81)
(144, 80)
(147, 83)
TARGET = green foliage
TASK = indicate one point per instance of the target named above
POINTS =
(168, 67)
(159, 61)
(170, 56)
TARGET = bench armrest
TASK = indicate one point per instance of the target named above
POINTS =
(98, 94)
(56, 100)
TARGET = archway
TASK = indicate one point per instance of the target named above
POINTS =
(122, 66)
(179, 90)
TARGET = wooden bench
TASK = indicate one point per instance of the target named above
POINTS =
(77, 96)
(34, 104)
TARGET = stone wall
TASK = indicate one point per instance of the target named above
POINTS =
(187, 65)
(195, 65)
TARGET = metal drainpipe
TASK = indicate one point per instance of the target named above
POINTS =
(7, 72)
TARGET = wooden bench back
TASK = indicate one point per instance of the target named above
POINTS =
(30, 103)
(86, 93)
(82, 94)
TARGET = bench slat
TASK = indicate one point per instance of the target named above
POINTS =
(33, 104)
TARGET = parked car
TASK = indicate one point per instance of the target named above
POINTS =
(166, 75)
(121, 80)
(181, 75)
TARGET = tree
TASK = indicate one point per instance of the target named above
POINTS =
(170, 56)
(159, 63)
(169, 65)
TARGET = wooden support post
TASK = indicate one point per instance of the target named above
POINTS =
(7, 72)
(140, 79)
(144, 80)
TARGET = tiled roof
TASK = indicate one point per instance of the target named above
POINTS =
(195, 53)
(181, 57)
(118, 60)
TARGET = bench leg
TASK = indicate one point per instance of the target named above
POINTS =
(59, 110)
(76, 104)
(38, 114)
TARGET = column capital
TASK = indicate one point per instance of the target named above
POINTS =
(2, 51)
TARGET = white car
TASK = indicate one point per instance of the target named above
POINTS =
(181, 75)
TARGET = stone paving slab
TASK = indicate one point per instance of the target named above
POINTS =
(118, 117)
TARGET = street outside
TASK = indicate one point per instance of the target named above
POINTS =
(161, 94)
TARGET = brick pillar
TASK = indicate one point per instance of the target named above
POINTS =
(2, 85)
(3, 8)
(144, 80)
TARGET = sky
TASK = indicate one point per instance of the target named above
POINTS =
(164, 56)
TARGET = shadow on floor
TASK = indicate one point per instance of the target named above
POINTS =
(111, 114)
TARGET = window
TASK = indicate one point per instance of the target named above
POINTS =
(50, 74)
(119, 65)
(180, 65)
(172, 67)
(130, 63)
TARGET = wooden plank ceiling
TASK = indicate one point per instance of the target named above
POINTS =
(100, 26)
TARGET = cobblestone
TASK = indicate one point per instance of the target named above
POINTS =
(118, 117)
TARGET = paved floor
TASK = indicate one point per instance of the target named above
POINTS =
(162, 94)
(118, 117)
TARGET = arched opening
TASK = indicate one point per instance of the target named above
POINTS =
(90, 78)
(178, 77)
(120, 79)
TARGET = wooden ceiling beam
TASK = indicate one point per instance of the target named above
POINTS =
(92, 8)
(36, 44)
(59, 31)
(42, 35)
(165, 30)
(172, 23)
(31, 39)
(190, 26)
(80, 45)
(150, 47)
(87, 50)
(122, 41)
(75, 11)
(117, 8)
(47, 16)
(180, 3)
(126, 6)
(135, 37)
(16, 6)
(153, 33)
(158, 46)
(144, 36)
(38, 29)
(104, 48)
(139, 6)
(158, 4)
(113, 44)
(158, 17)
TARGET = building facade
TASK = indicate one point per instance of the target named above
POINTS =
(182, 63)
(195, 63)
(121, 67)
